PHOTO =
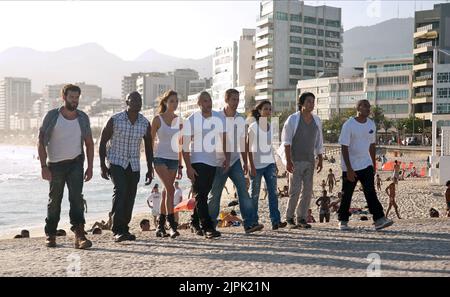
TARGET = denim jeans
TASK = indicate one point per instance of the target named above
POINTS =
(72, 174)
(246, 205)
(125, 188)
(270, 176)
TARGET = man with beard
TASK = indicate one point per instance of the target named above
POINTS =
(61, 137)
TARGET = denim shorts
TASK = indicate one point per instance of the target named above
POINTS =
(170, 164)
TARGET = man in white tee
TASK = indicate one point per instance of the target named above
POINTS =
(357, 139)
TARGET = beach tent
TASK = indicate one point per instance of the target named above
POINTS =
(185, 205)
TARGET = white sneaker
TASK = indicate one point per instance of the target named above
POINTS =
(383, 223)
(343, 226)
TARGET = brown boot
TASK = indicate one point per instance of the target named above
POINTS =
(81, 242)
(50, 241)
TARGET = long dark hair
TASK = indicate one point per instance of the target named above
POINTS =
(256, 112)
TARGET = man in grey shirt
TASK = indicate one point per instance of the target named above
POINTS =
(302, 140)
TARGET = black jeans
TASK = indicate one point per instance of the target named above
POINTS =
(125, 188)
(200, 190)
(366, 177)
(70, 173)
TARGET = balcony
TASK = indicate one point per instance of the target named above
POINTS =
(263, 74)
(263, 64)
(263, 96)
(263, 32)
(267, 52)
(426, 32)
(423, 66)
(425, 115)
(424, 77)
(423, 48)
(264, 21)
(423, 94)
(420, 100)
(422, 83)
(263, 42)
(263, 86)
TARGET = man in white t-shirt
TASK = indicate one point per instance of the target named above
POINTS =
(357, 139)
(177, 198)
(154, 202)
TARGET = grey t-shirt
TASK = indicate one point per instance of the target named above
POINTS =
(304, 141)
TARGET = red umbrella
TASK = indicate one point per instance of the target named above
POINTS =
(185, 205)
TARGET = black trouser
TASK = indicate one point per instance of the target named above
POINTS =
(68, 173)
(366, 177)
(200, 190)
(125, 187)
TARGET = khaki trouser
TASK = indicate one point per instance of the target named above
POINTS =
(301, 179)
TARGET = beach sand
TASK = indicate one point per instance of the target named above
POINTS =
(413, 246)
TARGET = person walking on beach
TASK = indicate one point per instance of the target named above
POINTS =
(262, 162)
(124, 132)
(331, 180)
(390, 191)
(233, 141)
(378, 182)
(154, 203)
(396, 172)
(166, 127)
(358, 148)
(301, 141)
(324, 203)
(62, 135)
(201, 161)
(177, 198)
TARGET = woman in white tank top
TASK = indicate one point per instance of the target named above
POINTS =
(167, 162)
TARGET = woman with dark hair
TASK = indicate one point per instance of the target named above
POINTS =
(262, 161)
(167, 162)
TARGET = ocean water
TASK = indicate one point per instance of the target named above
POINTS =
(24, 194)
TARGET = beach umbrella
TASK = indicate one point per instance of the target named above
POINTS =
(185, 205)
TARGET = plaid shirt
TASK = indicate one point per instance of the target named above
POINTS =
(125, 144)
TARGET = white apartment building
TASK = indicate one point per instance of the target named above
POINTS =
(152, 85)
(234, 67)
(389, 82)
(199, 85)
(295, 42)
(15, 97)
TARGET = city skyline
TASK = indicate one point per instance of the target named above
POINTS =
(189, 22)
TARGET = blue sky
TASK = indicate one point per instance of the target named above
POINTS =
(189, 29)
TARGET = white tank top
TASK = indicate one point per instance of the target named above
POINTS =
(167, 145)
(65, 140)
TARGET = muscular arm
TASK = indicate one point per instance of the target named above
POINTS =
(346, 157)
(372, 150)
(148, 141)
(89, 143)
(105, 137)
(41, 150)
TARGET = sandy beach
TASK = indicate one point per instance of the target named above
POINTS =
(414, 246)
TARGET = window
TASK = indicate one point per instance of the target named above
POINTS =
(295, 50)
(295, 61)
(393, 80)
(296, 29)
(309, 41)
(351, 87)
(310, 31)
(333, 87)
(331, 23)
(310, 20)
(309, 52)
(370, 81)
(293, 82)
(320, 32)
(309, 62)
(295, 71)
(332, 44)
(320, 63)
(295, 39)
(320, 53)
(394, 108)
(443, 93)
(443, 77)
(332, 34)
(320, 22)
(392, 95)
(334, 55)
(296, 17)
(320, 42)
(309, 73)
(282, 16)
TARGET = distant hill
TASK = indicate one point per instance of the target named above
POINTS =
(392, 37)
(90, 63)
